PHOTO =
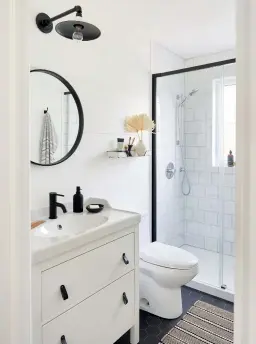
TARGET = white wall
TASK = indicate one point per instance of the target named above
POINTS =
(112, 77)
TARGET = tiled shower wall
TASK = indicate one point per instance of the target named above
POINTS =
(210, 208)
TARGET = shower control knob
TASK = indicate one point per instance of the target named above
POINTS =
(170, 170)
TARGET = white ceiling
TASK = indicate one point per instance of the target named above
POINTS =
(195, 27)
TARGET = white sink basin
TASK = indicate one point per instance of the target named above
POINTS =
(70, 224)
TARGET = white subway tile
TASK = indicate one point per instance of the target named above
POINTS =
(213, 232)
(209, 204)
(211, 244)
(197, 190)
(189, 115)
(227, 193)
(204, 178)
(195, 140)
(189, 163)
(227, 248)
(227, 221)
(204, 153)
(199, 216)
(191, 202)
(228, 170)
(200, 114)
(229, 208)
(194, 127)
(233, 194)
(211, 218)
(229, 180)
(212, 191)
(200, 165)
(193, 177)
(234, 221)
(194, 228)
(189, 214)
(233, 249)
(194, 240)
(229, 235)
(192, 153)
(216, 179)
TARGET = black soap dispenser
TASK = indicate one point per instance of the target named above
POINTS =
(78, 201)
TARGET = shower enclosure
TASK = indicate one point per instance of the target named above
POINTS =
(194, 169)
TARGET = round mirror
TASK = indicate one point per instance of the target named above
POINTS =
(57, 120)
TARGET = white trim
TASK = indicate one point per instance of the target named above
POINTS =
(245, 301)
(14, 174)
(211, 290)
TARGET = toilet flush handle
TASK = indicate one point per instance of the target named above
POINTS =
(125, 259)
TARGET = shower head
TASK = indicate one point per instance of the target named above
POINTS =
(190, 94)
(194, 91)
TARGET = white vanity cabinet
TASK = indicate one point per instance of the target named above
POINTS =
(90, 294)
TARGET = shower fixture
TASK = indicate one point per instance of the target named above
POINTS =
(194, 91)
(179, 115)
(71, 29)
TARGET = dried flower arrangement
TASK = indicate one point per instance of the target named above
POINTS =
(139, 123)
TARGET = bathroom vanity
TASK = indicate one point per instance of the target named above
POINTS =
(85, 278)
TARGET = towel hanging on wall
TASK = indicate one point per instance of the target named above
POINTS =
(49, 140)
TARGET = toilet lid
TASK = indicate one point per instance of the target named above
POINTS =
(168, 256)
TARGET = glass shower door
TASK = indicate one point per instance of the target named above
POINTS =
(227, 176)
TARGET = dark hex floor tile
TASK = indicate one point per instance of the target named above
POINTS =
(154, 321)
(150, 340)
(143, 334)
(153, 329)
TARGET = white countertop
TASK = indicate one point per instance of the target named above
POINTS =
(44, 248)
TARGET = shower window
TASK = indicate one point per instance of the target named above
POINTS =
(224, 120)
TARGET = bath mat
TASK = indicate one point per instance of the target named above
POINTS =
(203, 324)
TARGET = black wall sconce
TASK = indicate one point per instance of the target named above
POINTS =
(71, 29)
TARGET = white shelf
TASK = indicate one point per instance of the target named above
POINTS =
(123, 155)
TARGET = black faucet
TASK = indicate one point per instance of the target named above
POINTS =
(54, 204)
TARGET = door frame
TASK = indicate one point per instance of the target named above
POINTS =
(15, 264)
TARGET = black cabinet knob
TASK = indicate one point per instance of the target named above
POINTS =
(125, 259)
(64, 292)
(125, 299)
(63, 340)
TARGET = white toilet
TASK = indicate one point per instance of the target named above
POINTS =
(163, 270)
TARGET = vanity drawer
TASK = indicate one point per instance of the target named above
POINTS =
(102, 318)
(71, 282)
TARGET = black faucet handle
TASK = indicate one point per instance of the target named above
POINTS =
(60, 195)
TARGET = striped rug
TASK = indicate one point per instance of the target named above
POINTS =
(203, 324)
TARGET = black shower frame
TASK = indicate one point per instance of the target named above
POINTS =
(154, 153)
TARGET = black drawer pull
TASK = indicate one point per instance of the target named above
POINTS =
(125, 299)
(64, 292)
(125, 259)
(63, 340)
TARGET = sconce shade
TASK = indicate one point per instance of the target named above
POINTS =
(67, 29)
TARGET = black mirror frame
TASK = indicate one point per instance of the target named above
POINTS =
(80, 115)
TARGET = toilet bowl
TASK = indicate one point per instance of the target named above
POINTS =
(164, 270)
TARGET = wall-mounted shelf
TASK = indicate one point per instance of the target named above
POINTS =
(123, 155)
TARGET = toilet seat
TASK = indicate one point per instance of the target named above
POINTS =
(167, 256)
